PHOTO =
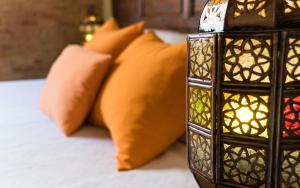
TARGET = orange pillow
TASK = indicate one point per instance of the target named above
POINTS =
(110, 25)
(71, 86)
(110, 40)
(143, 101)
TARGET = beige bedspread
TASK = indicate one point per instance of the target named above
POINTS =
(34, 154)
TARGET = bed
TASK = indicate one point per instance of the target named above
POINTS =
(34, 153)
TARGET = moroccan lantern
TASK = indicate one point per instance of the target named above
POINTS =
(89, 23)
(243, 95)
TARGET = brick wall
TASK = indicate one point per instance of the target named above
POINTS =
(33, 32)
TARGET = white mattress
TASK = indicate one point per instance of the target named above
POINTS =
(34, 154)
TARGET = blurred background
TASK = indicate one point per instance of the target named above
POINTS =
(33, 33)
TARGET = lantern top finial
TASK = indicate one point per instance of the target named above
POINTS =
(224, 15)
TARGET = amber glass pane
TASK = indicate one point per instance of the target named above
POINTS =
(200, 106)
(247, 59)
(245, 114)
(291, 116)
(215, 2)
(200, 153)
(291, 6)
(244, 165)
(293, 61)
(290, 169)
(201, 58)
(257, 7)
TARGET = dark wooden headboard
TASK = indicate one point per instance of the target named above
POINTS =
(179, 15)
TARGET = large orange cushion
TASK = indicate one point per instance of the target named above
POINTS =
(143, 101)
(109, 39)
(71, 86)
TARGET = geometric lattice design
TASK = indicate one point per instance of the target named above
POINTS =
(290, 169)
(291, 6)
(257, 7)
(200, 106)
(245, 114)
(244, 165)
(247, 59)
(215, 2)
(291, 117)
(201, 58)
(200, 153)
(293, 61)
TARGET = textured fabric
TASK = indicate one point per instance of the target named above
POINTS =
(33, 154)
(143, 101)
(110, 40)
(72, 85)
(110, 25)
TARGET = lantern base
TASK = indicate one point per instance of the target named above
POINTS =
(203, 183)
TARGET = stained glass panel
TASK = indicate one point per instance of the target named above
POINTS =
(257, 7)
(245, 114)
(247, 59)
(291, 116)
(293, 61)
(200, 106)
(291, 6)
(244, 165)
(200, 153)
(201, 58)
(290, 169)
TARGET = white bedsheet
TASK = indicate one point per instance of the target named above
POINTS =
(34, 154)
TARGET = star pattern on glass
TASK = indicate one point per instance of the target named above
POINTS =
(245, 114)
(247, 60)
(290, 169)
(243, 7)
(291, 117)
(201, 58)
(200, 106)
(291, 6)
(292, 65)
(200, 153)
(244, 165)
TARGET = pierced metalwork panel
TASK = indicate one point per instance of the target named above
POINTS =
(248, 59)
(257, 7)
(200, 153)
(290, 169)
(245, 114)
(201, 58)
(213, 16)
(291, 6)
(244, 165)
(200, 106)
(291, 116)
(292, 66)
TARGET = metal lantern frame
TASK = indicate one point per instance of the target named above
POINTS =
(224, 15)
(261, 155)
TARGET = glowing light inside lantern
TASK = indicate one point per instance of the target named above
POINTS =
(291, 6)
(88, 37)
(291, 113)
(246, 115)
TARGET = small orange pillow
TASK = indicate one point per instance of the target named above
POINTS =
(110, 40)
(72, 85)
(143, 101)
(110, 25)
